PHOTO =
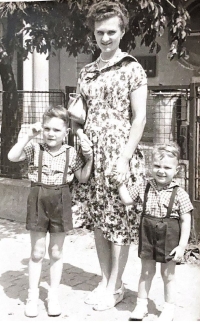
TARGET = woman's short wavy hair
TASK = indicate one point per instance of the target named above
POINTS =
(107, 9)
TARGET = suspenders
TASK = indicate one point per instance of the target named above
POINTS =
(169, 209)
(40, 165)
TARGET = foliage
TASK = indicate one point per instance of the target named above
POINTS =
(61, 24)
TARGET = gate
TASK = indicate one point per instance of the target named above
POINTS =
(194, 144)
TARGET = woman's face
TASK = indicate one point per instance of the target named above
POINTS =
(108, 34)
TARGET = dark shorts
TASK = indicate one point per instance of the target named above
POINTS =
(158, 237)
(49, 208)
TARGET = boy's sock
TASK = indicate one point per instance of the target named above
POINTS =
(140, 310)
(167, 312)
(31, 308)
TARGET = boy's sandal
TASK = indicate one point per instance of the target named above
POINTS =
(110, 300)
(95, 295)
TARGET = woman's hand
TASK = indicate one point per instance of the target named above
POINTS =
(122, 169)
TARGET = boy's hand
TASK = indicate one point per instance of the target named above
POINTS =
(179, 252)
(87, 153)
(86, 147)
(85, 142)
(34, 130)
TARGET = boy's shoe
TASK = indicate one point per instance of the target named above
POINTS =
(53, 305)
(167, 312)
(140, 310)
(31, 308)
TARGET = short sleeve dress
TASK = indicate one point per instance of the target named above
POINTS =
(107, 96)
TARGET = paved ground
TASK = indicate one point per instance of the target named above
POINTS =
(81, 274)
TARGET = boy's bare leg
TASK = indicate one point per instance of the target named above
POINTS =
(56, 267)
(56, 258)
(147, 273)
(38, 248)
(146, 277)
(168, 275)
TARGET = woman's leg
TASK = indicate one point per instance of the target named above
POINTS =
(119, 257)
(103, 248)
(113, 263)
(146, 277)
(38, 248)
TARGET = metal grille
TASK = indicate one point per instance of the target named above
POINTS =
(168, 120)
(32, 104)
(197, 155)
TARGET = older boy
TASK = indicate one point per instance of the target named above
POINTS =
(51, 167)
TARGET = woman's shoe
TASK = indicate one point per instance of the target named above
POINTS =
(31, 308)
(140, 310)
(94, 296)
(110, 300)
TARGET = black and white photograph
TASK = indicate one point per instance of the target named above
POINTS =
(100, 160)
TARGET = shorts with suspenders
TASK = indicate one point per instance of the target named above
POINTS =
(49, 206)
(158, 236)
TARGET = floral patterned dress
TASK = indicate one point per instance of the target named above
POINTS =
(108, 124)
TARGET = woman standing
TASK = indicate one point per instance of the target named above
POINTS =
(115, 89)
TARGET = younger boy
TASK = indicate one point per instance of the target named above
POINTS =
(51, 167)
(164, 227)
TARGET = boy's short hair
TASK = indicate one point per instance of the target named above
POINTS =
(58, 112)
(169, 149)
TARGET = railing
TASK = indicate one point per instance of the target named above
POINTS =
(167, 119)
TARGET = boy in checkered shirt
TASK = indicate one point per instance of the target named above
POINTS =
(165, 224)
(51, 167)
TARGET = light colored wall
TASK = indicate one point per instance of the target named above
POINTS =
(168, 72)
(64, 69)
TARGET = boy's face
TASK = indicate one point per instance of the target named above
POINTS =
(164, 170)
(54, 131)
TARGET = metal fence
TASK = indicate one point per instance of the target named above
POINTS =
(32, 105)
(167, 119)
(168, 113)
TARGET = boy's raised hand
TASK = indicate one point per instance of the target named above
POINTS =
(34, 130)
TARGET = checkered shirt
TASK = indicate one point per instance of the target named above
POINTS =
(158, 200)
(52, 165)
